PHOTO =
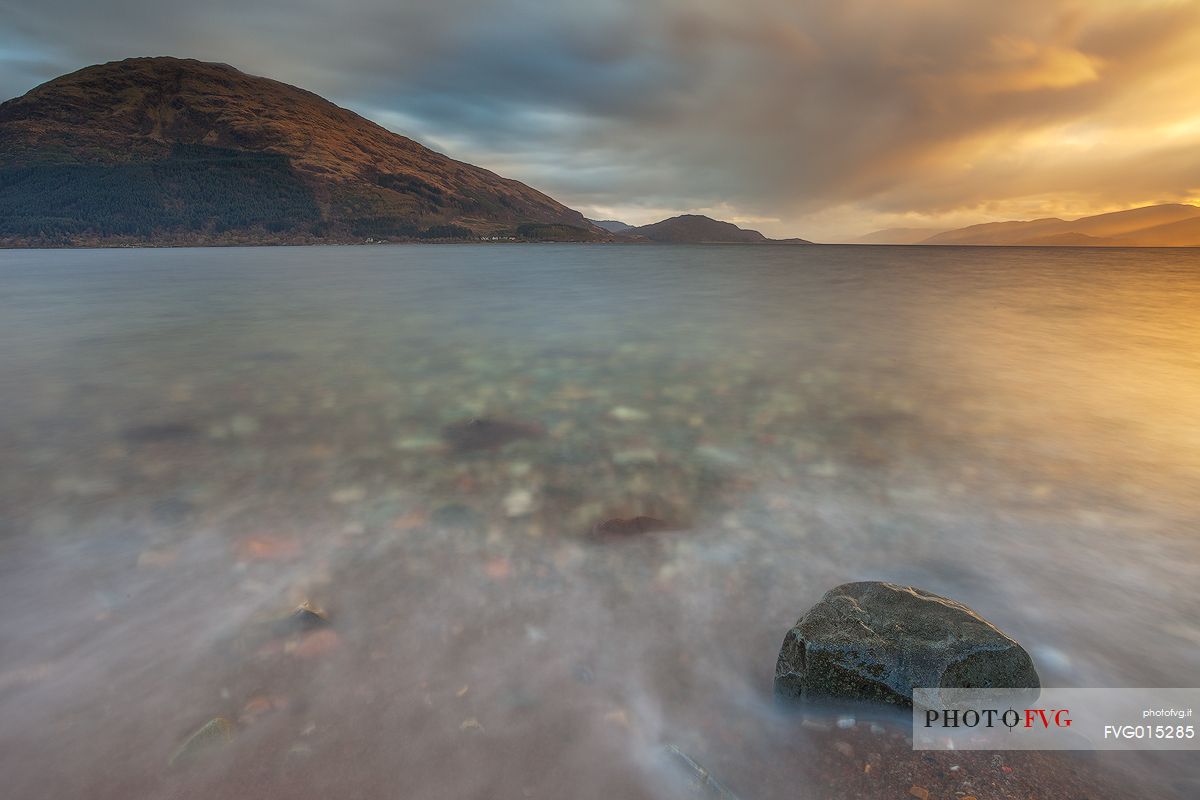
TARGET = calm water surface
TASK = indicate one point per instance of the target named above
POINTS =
(196, 441)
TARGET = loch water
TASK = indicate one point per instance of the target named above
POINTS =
(196, 441)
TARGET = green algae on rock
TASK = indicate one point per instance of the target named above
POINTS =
(875, 641)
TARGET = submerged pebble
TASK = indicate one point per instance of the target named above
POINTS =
(417, 444)
(627, 414)
(625, 527)
(701, 782)
(306, 617)
(213, 734)
(487, 434)
(518, 503)
(635, 457)
(348, 494)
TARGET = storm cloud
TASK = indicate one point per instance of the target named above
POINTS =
(801, 118)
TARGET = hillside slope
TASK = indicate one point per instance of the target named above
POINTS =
(168, 150)
(897, 236)
(1166, 225)
(999, 232)
(1182, 233)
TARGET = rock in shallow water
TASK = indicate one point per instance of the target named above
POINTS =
(487, 434)
(876, 641)
(625, 527)
(214, 733)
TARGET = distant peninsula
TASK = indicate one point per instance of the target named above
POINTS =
(1165, 225)
(168, 151)
(699, 229)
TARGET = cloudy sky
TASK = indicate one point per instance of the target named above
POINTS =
(816, 119)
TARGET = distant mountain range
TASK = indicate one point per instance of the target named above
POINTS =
(177, 151)
(1167, 225)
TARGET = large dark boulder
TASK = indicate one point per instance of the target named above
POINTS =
(874, 641)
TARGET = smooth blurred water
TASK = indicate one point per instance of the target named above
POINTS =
(194, 441)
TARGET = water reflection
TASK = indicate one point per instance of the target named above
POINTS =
(197, 441)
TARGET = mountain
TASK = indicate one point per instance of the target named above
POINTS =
(698, 229)
(611, 225)
(999, 232)
(1167, 225)
(897, 236)
(1122, 223)
(1068, 240)
(1183, 233)
(167, 150)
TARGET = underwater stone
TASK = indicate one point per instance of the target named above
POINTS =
(214, 733)
(624, 527)
(487, 434)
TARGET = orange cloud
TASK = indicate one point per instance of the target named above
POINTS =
(1023, 65)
